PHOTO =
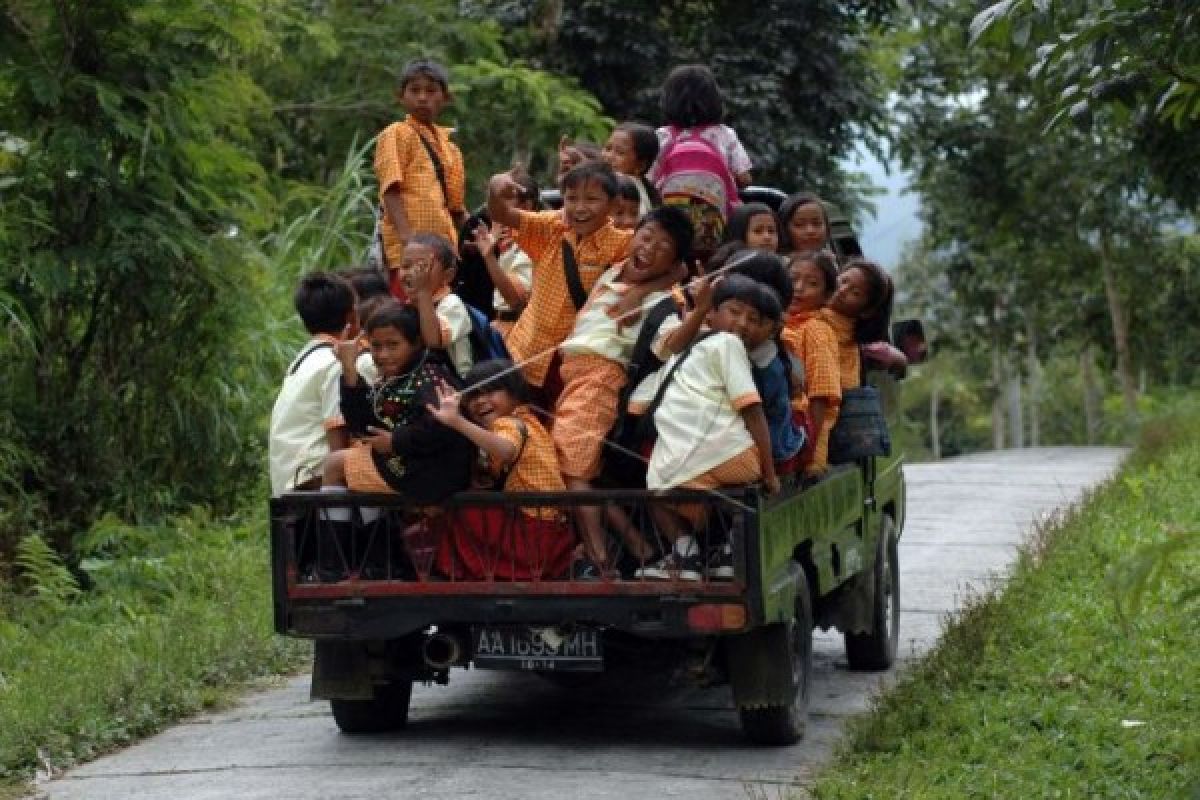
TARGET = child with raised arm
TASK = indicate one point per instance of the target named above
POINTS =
(306, 421)
(570, 249)
(508, 266)
(420, 171)
(407, 451)
(711, 428)
(491, 541)
(595, 357)
(426, 273)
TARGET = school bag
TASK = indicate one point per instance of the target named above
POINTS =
(694, 176)
(486, 342)
(628, 441)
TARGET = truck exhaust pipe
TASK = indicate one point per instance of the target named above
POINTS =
(441, 650)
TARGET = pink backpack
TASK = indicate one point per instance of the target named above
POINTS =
(693, 175)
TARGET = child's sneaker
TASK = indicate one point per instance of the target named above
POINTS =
(720, 563)
(673, 567)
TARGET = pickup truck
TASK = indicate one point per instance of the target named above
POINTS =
(383, 616)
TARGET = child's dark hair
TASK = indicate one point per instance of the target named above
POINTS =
(397, 315)
(721, 256)
(627, 189)
(529, 187)
(424, 68)
(872, 323)
(367, 282)
(766, 268)
(691, 97)
(768, 303)
(739, 220)
(594, 170)
(443, 251)
(367, 308)
(678, 226)
(788, 208)
(645, 142)
(824, 261)
(737, 287)
(498, 373)
(324, 302)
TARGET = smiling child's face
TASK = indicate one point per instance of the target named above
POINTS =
(734, 316)
(625, 213)
(651, 253)
(414, 255)
(391, 352)
(621, 155)
(485, 407)
(586, 207)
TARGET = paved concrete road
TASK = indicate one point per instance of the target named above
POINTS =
(496, 735)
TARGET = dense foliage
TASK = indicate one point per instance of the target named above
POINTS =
(801, 84)
(1054, 254)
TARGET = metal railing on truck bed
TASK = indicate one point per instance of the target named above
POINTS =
(363, 566)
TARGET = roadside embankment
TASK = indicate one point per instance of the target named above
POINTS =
(1079, 679)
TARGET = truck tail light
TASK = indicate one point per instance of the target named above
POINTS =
(714, 617)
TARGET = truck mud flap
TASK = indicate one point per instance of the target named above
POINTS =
(341, 671)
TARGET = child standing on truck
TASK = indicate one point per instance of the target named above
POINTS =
(710, 423)
(426, 273)
(420, 171)
(627, 204)
(701, 163)
(596, 354)
(306, 421)
(809, 338)
(406, 451)
(509, 268)
(483, 542)
(570, 249)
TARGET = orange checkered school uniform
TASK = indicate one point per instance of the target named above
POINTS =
(809, 338)
(595, 356)
(402, 162)
(550, 314)
(493, 542)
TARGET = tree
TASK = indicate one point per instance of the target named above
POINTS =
(801, 86)
(129, 196)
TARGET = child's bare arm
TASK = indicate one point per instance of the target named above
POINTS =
(393, 206)
(756, 424)
(431, 326)
(702, 296)
(499, 449)
(502, 196)
(510, 291)
(628, 304)
(337, 438)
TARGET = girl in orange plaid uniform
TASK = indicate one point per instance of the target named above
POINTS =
(498, 542)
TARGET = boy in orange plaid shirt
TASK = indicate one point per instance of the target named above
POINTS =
(422, 180)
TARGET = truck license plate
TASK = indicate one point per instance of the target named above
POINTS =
(534, 648)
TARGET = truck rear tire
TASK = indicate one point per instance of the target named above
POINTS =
(877, 650)
(386, 711)
(789, 650)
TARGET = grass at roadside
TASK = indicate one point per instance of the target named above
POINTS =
(1048, 690)
(177, 615)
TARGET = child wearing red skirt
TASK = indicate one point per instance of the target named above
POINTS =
(503, 542)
